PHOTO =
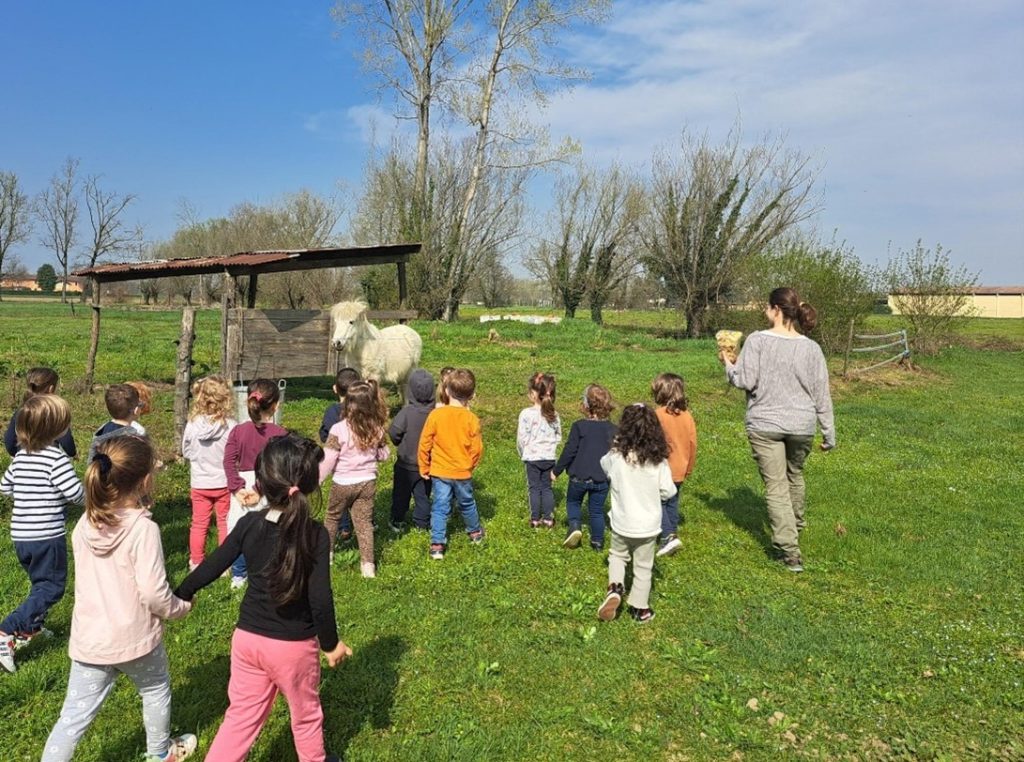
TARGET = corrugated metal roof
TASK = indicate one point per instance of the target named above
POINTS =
(246, 260)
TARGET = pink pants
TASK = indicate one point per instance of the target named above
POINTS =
(260, 668)
(204, 503)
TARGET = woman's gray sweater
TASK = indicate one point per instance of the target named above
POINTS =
(786, 381)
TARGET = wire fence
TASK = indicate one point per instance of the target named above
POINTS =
(896, 340)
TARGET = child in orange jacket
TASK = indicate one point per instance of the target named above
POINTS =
(450, 448)
(669, 391)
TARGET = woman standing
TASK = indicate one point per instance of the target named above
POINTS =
(786, 381)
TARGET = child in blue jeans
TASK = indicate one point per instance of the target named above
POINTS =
(590, 439)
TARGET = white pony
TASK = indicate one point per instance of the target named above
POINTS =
(383, 354)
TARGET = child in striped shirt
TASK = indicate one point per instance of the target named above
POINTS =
(42, 483)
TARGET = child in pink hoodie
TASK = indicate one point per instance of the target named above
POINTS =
(203, 444)
(353, 449)
(121, 600)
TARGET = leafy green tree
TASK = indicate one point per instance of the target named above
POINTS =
(15, 219)
(46, 277)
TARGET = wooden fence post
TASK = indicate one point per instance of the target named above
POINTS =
(183, 374)
(849, 346)
(94, 340)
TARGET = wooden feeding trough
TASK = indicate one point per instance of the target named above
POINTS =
(254, 343)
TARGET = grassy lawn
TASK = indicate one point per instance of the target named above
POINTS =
(904, 639)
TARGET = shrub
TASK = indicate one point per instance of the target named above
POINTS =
(827, 276)
(930, 293)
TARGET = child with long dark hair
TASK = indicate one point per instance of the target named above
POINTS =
(673, 411)
(287, 614)
(354, 447)
(537, 437)
(245, 442)
(637, 467)
(121, 600)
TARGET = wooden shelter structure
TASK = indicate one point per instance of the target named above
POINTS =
(243, 330)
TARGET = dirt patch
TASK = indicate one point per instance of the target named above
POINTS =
(898, 376)
(991, 343)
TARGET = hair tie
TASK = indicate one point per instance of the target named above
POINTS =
(256, 396)
(292, 490)
(638, 404)
(104, 462)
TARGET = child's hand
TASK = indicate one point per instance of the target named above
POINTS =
(553, 477)
(425, 476)
(248, 497)
(338, 655)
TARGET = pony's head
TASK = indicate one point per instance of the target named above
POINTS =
(346, 316)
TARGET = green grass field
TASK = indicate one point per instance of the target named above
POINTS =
(904, 639)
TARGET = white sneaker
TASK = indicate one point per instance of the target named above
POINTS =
(24, 640)
(669, 546)
(369, 569)
(238, 582)
(7, 653)
(192, 567)
(181, 747)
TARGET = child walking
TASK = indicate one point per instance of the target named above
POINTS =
(39, 381)
(589, 440)
(669, 391)
(287, 614)
(354, 448)
(537, 438)
(405, 433)
(42, 483)
(637, 467)
(123, 406)
(203, 444)
(449, 450)
(121, 600)
(245, 442)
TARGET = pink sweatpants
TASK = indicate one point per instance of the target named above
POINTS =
(260, 668)
(204, 503)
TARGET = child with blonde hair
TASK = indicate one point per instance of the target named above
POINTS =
(42, 482)
(203, 443)
(145, 404)
(442, 385)
(589, 440)
(39, 381)
(245, 442)
(669, 392)
(637, 467)
(537, 437)
(354, 448)
(121, 600)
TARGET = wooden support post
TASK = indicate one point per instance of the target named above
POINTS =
(250, 296)
(227, 302)
(403, 289)
(183, 374)
(849, 347)
(94, 341)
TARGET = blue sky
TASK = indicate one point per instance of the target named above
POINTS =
(914, 110)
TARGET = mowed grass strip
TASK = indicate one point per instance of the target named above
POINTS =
(903, 640)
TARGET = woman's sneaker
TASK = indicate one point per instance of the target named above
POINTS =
(180, 748)
(572, 540)
(793, 563)
(610, 606)
(669, 545)
(437, 551)
(641, 615)
(237, 583)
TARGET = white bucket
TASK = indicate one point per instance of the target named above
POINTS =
(242, 401)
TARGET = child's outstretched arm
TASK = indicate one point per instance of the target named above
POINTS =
(321, 601)
(216, 563)
(332, 451)
(147, 555)
(568, 455)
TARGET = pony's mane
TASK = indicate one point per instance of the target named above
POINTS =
(348, 311)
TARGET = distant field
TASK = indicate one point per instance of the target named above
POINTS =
(903, 640)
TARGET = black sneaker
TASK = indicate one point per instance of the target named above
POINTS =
(609, 608)
(597, 547)
(396, 526)
(572, 540)
(641, 615)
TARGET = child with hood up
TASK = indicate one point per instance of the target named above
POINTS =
(405, 433)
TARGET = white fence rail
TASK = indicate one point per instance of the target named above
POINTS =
(896, 340)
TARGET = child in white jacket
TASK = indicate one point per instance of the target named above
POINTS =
(537, 437)
(637, 467)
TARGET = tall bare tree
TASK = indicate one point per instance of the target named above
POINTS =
(110, 233)
(594, 248)
(15, 219)
(56, 209)
(713, 206)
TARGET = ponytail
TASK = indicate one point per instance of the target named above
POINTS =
(807, 317)
(287, 471)
(793, 310)
(263, 395)
(117, 472)
(543, 385)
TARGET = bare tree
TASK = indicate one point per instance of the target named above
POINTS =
(110, 234)
(594, 248)
(713, 206)
(15, 220)
(57, 210)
